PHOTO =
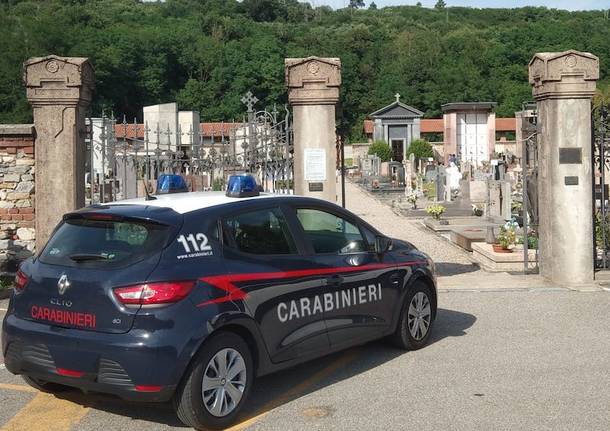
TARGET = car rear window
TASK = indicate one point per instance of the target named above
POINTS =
(99, 243)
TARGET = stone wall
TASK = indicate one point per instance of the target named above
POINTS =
(17, 234)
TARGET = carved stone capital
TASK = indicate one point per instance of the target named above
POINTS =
(313, 80)
(54, 80)
(563, 75)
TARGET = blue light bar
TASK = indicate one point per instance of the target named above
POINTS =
(242, 186)
(171, 183)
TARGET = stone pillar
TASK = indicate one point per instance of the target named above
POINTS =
(491, 134)
(563, 85)
(59, 89)
(313, 91)
(449, 135)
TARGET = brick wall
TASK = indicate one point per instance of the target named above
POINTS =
(17, 234)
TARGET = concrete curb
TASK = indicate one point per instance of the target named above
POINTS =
(6, 293)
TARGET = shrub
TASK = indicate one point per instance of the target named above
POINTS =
(381, 150)
(422, 149)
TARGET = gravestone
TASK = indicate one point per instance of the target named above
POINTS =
(441, 178)
(507, 201)
(494, 202)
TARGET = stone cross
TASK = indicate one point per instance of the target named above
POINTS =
(249, 100)
(397, 95)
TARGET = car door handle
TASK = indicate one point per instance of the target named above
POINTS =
(395, 279)
(334, 280)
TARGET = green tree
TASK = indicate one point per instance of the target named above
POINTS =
(440, 4)
(372, 6)
(355, 4)
(382, 150)
(421, 149)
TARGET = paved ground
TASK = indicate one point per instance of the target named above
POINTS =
(517, 360)
(508, 352)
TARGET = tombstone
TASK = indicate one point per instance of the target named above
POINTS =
(507, 200)
(431, 172)
(385, 169)
(477, 190)
(494, 200)
(447, 187)
(441, 177)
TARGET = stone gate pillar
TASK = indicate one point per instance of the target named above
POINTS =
(563, 85)
(313, 91)
(59, 89)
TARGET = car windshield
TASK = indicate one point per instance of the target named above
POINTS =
(98, 243)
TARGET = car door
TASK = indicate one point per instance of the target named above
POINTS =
(362, 287)
(267, 264)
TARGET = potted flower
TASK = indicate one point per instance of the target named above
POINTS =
(507, 238)
(436, 211)
(412, 199)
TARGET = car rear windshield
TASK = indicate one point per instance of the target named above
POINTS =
(103, 243)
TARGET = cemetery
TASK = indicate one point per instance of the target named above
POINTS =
(473, 187)
(480, 136)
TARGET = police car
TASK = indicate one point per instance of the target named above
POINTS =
(189, 297)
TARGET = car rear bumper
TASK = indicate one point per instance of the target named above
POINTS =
(137, 365)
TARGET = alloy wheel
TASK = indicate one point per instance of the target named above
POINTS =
(419, 315)
(224, 382)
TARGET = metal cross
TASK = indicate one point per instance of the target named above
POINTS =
(397, 95)
(249, 100)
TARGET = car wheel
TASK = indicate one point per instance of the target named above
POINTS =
(217, 383)
(416, 318)
(44, 386)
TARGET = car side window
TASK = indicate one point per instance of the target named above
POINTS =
(329, 233)
(260, 232)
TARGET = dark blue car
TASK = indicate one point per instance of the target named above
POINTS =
(188, 297)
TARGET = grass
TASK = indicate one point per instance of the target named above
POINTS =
(6, 283)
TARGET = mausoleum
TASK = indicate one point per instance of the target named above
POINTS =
(397, 124)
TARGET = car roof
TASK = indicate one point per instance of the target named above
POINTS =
(183, 203)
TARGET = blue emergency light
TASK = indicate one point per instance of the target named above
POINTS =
(242, 186)
(171, 183)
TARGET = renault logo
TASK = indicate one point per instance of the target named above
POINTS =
(63, 284)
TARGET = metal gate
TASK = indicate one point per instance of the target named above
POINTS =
(529, 161)
(600, 139)
(125, 159)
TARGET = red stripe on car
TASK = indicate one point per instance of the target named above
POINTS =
(226, 282)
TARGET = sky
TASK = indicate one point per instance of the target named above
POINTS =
(557, 4)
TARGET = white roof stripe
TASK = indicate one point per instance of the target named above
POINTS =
(183, 203)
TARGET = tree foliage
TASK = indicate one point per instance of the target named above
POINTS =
(207, 53)
(420, 148)
(382, 150)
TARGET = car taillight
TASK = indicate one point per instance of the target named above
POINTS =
(154, 293)
(20, 281)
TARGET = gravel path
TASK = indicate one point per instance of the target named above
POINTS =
(449, 259)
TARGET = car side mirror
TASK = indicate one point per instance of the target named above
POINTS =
(382, 244)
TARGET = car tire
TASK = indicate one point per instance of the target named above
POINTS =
(416, 318)
(43, 386)
(197, 407)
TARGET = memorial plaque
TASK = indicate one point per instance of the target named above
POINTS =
(316, 187)
(571, 181)
(570, 156)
